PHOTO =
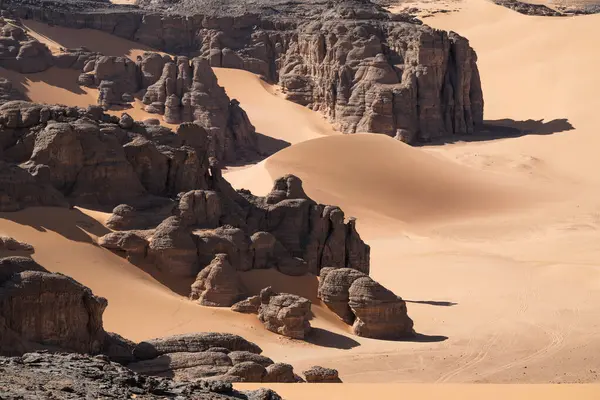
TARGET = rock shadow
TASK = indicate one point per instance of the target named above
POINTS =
(69, 223)
(61, 78)
(267, 146)
(505, 129)
(325, 338)
(422, 338)
(433, 302)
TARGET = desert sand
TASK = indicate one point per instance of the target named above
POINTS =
(493, 243)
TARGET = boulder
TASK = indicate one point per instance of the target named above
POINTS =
(281, 373)
(217, 284)
(318, 374)
(285, 314)
(247, 306)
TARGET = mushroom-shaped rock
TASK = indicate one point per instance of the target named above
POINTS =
(218, 284)
(285, 314)
(318, 374)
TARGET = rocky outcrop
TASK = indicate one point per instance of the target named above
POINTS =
(318, 374)
(8, 92)
(39, 309)
(285, 314)
(210, 356)
(68, 376)
(284, 230)
(20, 52)
(363, 67)
(373, 310)
(247, 306)
(12, 245)
(180, 89)
(217, 284)
(54, 153)
(530, 9)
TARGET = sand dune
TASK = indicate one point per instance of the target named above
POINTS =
(492, 243)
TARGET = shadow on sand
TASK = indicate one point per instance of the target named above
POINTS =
(69, 223)
(506, 128)
(433, 302)
(325, 338)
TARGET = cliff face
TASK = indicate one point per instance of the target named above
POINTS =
(364, 68)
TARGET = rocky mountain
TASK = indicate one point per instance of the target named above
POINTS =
(364, 68)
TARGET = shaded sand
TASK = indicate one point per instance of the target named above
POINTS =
(494, 244)
(56, 37)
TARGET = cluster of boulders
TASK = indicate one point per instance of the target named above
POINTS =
(365, 68)
(20, 52)
(44, 311)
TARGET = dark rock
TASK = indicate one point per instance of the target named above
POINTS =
(321, 375)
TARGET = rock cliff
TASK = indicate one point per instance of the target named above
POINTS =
(366, 69)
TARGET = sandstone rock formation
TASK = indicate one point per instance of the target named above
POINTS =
(10, 244)
(285, 314)
(366, 69)
(68, 376)
(285, 230)
(247, 306)
(8, 92)
(20, 52)
(181, 90)
(373, 310)
(318, 374)
(212, 356)
(217, 284)
(39, 309)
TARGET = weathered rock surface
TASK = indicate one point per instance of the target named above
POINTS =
(70, 376)
(247, 306)
(20, 52)
(318, 374)
(218, 284)
(285, 314)
(10, 244)
(49, 154)
(284, 230)
(373, 310)
(39, 309)
(363, 67)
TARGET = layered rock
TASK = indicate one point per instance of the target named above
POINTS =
(284, 230)
(180, 89)
(285, 314)
(20, 52)
(39, 309)
(373, 310)
(210, 356)
(217, 284)
(366, 69)
(319, 374)
(51, 154)
(68, 376)
(8, 243)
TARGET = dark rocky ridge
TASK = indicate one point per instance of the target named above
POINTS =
(366, 69)
(76, 376)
